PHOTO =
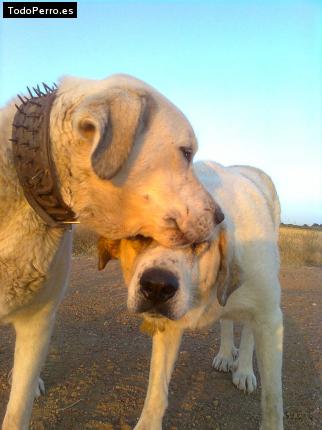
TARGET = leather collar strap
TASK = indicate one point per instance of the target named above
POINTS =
(33, 158)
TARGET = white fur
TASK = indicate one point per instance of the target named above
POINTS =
(35, 259)
(242, 372)
(227, 355)
(33, 323)
(250, 204)
(237, 361)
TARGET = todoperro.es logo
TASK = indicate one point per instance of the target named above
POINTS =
(39, 10)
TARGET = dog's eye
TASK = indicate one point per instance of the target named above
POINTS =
(140, 242)
(194, 246)
(139, 237)
(187, 153)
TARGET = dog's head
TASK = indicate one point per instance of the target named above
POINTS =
(124, 158)
(168, 283)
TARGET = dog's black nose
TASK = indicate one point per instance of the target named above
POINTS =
(158, 285)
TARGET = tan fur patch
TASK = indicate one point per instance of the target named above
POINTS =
(151, 328)
(107, 250)
(229, 274)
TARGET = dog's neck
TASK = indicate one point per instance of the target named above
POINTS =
(17, 218)
(11, 194)
(61, 134)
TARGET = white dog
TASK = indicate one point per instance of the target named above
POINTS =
(122, 155)
(234, 276)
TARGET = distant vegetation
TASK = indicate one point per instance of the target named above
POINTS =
(299, 245)
(314, 226)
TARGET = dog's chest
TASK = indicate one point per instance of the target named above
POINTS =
(18, 284)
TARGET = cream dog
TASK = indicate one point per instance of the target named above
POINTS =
(232, 277)
(123, 155)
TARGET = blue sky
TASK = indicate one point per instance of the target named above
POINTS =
(247, 74)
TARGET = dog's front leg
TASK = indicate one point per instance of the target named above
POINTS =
(224, 360)
(164, 353)
(33, 333)
(268, 332)
(243, 374)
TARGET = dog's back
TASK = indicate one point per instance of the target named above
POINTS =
(228, 183)
(266, 186)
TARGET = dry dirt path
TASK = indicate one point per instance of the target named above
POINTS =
(97, 369)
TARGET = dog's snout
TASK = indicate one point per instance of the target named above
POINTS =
(158, 285)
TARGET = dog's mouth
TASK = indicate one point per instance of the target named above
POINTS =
(156, 312)
(153, 315)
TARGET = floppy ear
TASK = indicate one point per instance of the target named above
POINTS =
(111, 126)
(107, 250)
(229, 274)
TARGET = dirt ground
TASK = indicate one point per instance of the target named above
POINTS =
(97, 369)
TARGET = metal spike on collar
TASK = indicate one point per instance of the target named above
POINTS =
(48, 89)
(38, 93)
(30, 93)
(20, 109)
(21, 99)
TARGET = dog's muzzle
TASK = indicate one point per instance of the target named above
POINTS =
(157, 287)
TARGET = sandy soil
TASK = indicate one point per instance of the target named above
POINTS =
(97, 369)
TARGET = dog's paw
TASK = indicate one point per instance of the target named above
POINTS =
(144, 425)
(40, 387)
(245, 380)
(225, 362)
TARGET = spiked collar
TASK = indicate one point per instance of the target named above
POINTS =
(33, 158)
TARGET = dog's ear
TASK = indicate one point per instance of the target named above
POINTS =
(107, 250)
(229, 273)
(111, 127)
